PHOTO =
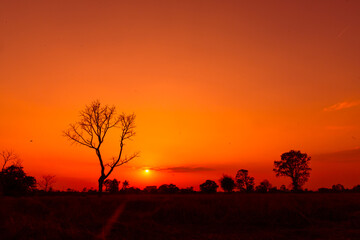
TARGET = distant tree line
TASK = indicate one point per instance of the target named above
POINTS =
(293, 164)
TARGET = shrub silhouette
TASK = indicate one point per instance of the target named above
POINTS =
(338, 188)
(209, 186)
(187, 190)
(283, 188)
(356, 188)
(132, 190)
(15, 182)
(150, 189)
(227, 183)
(264, 187)
(168, 188)
(324, 190)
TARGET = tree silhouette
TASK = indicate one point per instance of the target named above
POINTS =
(150, 189)
(95, 122)
(14, 181)
(187, 190)
(111, 186)
(338, 188)
(244, 181)
(209, 186)
(125, 185)
(227, 183)
(264, 186)
(356, 188)
(9, 157)
(168, 188)
(295, 165)
(46, 182)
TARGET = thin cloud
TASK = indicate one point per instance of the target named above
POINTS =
(186, 169)
(346, 156)
(342, 105)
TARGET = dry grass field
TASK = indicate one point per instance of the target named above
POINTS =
(187, 216)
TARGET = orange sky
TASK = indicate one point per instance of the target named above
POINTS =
(216, 86)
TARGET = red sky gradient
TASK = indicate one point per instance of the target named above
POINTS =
(216, 86)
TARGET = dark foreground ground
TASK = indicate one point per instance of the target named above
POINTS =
(193, 216)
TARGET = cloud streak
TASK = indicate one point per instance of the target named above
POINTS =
(182, 169)
(187, 169)
(341, 105)
(346, 156)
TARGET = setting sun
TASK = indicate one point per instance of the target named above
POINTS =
(147, 170)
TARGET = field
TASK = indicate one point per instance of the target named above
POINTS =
(187, 216)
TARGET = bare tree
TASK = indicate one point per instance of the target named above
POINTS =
(95, 122)
(125, 185)
(47, 182)
(295, 165)
(9, 157)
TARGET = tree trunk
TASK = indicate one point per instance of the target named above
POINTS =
(101, 182)
(295, 185)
